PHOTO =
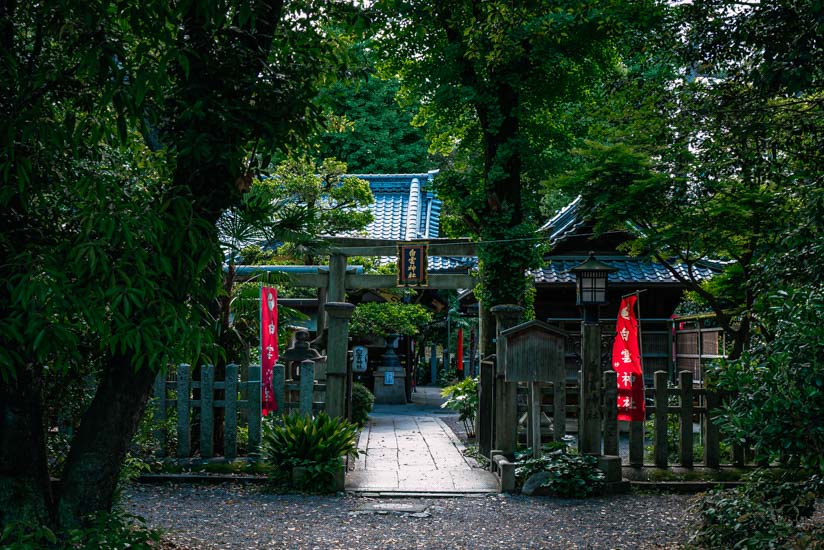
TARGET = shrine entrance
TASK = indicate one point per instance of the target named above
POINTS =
(410, 449)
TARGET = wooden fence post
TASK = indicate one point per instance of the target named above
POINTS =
(685, 438)
(636, 443)
(207, 413)
(559, 411)
(307, 386)
(712, 450)
(661, 405)
(610, 412)
(160, 414)
(253, 411)
(230, 408)
(486, 404)
(184, 446)
(279, 387)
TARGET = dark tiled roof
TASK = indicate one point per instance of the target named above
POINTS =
(630, 270)
(565, 222)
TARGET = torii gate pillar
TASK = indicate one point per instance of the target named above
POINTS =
(337, 363)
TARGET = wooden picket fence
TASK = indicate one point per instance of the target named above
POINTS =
(693, 405)
(690, 404)
(177, 394)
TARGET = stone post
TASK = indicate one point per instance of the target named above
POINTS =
(337, 364)
(506, 405)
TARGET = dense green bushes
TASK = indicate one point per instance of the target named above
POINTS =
(762, 513)
(314, 443)
(362, 401)
(463, 398)
(566, 474)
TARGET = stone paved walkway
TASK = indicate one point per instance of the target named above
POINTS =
(410, 450)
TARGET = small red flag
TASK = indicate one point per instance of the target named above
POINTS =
(626, 361)
(268, 345)
(459, 362)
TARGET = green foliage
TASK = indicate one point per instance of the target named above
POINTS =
(479, 81)
(762, 513)
(447, 377)
(570, 475)
(131, 130)
(107, 531)
(314, 443)
(779, 383)
(463, 398)
(373, 134)
(362, 401)
(385, 318)
(707, 149)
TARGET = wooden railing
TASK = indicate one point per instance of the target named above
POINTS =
(690, 405)
(178, 393)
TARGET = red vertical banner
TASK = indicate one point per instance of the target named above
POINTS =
(268, 345)
(626, 361)
(459, 360)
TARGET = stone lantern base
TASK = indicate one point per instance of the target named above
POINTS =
(394, 392)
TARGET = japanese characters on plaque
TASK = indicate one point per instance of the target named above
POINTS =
(412, 264)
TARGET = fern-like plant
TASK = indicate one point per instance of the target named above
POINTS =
(301, 440)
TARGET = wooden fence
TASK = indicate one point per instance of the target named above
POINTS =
(686, 404)
(175, 392)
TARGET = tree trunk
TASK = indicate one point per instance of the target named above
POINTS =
(99, 448)
(25, 488)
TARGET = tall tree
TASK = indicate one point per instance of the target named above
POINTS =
(711, 150)
(128, 131)
(490, 77)
(373, 132)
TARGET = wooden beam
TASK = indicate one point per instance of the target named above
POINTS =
(353, 246)
(359, 281)
(436, 280)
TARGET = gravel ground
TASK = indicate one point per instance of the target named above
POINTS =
(233, 516)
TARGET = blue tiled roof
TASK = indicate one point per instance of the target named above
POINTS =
(630, 270)
(389, 211)
(393, 198)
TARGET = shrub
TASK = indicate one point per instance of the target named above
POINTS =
(569, 475)
(106, 531)
(385, 318)
(362, 401)
(447, 377)
(315, 443)
(463, 398)
(779, 384)
(762, 513)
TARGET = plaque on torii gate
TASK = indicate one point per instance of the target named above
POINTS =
(536, 353)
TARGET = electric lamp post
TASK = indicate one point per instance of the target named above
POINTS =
(591, 279)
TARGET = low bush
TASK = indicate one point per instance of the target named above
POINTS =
(314, 443)
(762, 513)
(362, 401)
(463, 399)
(569, 475)
(107, 531)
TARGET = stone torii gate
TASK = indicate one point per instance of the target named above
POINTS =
(337, 281)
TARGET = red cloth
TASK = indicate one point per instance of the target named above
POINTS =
(459, 362)
(626, 361)
(268, 345)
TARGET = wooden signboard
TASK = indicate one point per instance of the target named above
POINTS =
(412, 264)
(535, 353)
